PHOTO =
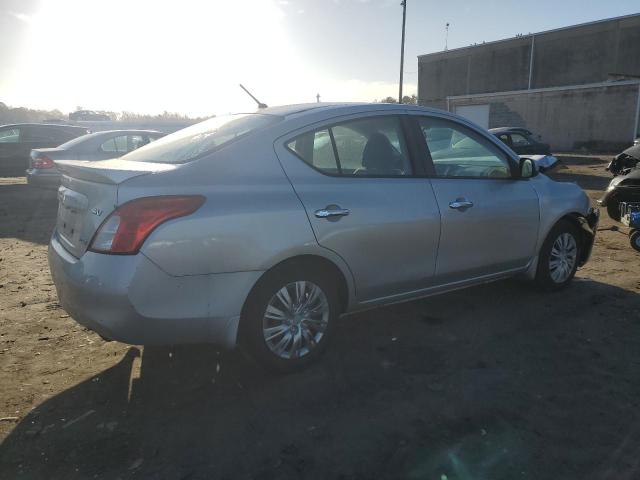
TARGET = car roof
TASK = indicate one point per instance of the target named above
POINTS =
(123, 131)
(305, 109)
(499, 130)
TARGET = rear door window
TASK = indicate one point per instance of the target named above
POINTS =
(372, 146)
(115, 145)
(316, 149)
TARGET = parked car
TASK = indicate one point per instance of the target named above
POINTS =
(263, 228)
(94, 146)
(521, 141)
(17, 140)
(625, 185)
(88, 116)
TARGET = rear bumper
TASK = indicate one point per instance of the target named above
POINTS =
(129, 299)
(46, 180)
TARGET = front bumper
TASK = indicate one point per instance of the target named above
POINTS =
(130, 299)
(589, 226)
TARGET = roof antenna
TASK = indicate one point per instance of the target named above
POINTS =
(260, 104)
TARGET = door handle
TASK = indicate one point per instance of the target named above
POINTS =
(461, 204)
(333, 212)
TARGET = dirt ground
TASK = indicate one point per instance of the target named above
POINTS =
(494, 382)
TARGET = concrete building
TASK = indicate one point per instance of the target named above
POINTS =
(579, 86)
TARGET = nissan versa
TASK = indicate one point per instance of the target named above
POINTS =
(263, 228)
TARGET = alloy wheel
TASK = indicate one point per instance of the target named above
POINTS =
(563, 257)
(296, 319)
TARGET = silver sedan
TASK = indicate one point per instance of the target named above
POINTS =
(42, 171)
(264, 228)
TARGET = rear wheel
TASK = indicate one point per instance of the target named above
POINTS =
(558, 259)
(289, 318)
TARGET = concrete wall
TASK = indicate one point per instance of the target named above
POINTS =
(482, 69)
(595, 119)
(572, 56)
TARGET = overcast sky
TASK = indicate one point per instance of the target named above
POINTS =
(188, 56)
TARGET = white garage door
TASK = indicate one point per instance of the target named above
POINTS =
(478, 114)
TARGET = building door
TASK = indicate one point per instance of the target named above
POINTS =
(478, 114)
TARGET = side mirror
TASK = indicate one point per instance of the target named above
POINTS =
(528, 168)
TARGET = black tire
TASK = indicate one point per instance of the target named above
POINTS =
(613, 208)
(544, 277)
(252, 337)
(634, 240)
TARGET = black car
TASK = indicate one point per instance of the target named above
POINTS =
(625, 186)
(88, 116)
(17, 141)
(623, 162)
(521, 141)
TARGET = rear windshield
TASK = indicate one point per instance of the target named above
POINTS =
(193, 142)
(77, 140)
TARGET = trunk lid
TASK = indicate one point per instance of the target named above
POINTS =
(51, 153)
(89, 193)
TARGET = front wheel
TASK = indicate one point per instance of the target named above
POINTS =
(558, 259)
(289, 318)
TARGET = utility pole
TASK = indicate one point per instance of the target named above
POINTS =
(404, 20)
(317, 98)
(446, 37)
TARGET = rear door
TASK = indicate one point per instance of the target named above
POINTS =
(366, 200)
(490, 218)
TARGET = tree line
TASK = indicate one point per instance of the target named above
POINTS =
(29, 115)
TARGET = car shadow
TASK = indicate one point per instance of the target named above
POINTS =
(26, 213)
(488, 382)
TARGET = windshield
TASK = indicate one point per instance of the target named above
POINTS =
(191, 143)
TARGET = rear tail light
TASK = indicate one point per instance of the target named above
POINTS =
(42, 161)
(125, 230)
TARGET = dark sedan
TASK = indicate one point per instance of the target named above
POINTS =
(521, 141)
(95, 146)
(17, 140)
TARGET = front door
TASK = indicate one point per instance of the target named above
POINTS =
(366, 202)
(490, 217)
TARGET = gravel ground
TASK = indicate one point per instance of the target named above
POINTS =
(494, 382)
